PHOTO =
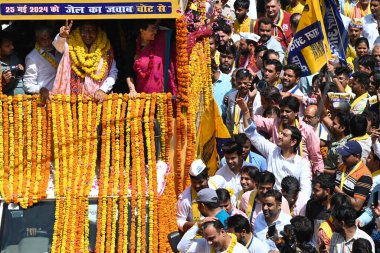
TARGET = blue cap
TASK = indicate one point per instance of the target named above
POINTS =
(350, 148)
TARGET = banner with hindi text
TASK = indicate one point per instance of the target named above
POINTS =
(87, 9)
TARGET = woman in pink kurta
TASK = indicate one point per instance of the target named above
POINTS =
(150, 60)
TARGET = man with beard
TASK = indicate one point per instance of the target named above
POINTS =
(346, 231)
(290, 81)
(265, 26)
(234, 121)
(187, 209)
(340, 129)
(251, 202)
(272, 70)
(272, 215)
(231, 172)
(226, 59)
(246, 57)
(215, 239)
(280, 19)
(242, 22)
(282, 157)
(317, 208)
(241, 227)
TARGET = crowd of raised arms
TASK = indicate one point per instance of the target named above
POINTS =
(302, 171)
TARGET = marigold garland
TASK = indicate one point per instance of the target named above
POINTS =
(183, 73)
(87, 61)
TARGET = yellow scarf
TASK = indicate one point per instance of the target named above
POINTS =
(358, 99)
(360, 138)
(300, 147)
(194, 206)
(251, 204)
(232, 245)
(344, 178)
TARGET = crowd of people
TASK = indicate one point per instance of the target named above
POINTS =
(301, 173)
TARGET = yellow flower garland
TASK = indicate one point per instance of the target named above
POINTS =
(85, 61)
(233, 243)
(46, 56)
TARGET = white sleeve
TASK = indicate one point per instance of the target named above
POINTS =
(188, 241)
(111, 79)
(30, 76)
(305, 178)
(59, 43)
(182, 212)
(264, 146)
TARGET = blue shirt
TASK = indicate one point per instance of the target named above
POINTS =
(254, 159)
(222, 217)
(220, 89)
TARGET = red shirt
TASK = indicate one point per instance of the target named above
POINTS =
(281, 29)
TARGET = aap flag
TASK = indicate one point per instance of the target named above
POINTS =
(309, 48)
(336, 33)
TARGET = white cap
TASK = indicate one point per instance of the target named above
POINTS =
(197, 167)
(250, 36)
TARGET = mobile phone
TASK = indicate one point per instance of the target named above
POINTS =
(375, 199)
(271, 231)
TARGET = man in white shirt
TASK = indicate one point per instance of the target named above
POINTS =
(370, 23)
(290, 80)
(272, 215)
(282, 158)
(231, 171)
(215, 239)
(346, 231)
(187, 208)
(240, 226)
(41, 64)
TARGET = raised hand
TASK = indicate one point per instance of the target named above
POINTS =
(64, 31)
(242, 104)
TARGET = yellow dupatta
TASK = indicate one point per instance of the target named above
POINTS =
(251, 204)
(360, 138)
(358, 99)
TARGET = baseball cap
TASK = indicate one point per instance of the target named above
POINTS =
(207, 195)
(197, 167)
(350, 148)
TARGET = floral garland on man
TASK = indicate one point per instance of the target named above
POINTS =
(88, 66)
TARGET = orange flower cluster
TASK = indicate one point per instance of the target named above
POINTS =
(74, 130)
(24, 175)
(183, 73)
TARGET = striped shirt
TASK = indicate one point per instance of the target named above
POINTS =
(358, 184)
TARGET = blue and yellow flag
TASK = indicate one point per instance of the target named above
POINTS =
(212, 133)
(337, 35)
(310, 49)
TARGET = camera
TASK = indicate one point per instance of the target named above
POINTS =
(16, 71)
